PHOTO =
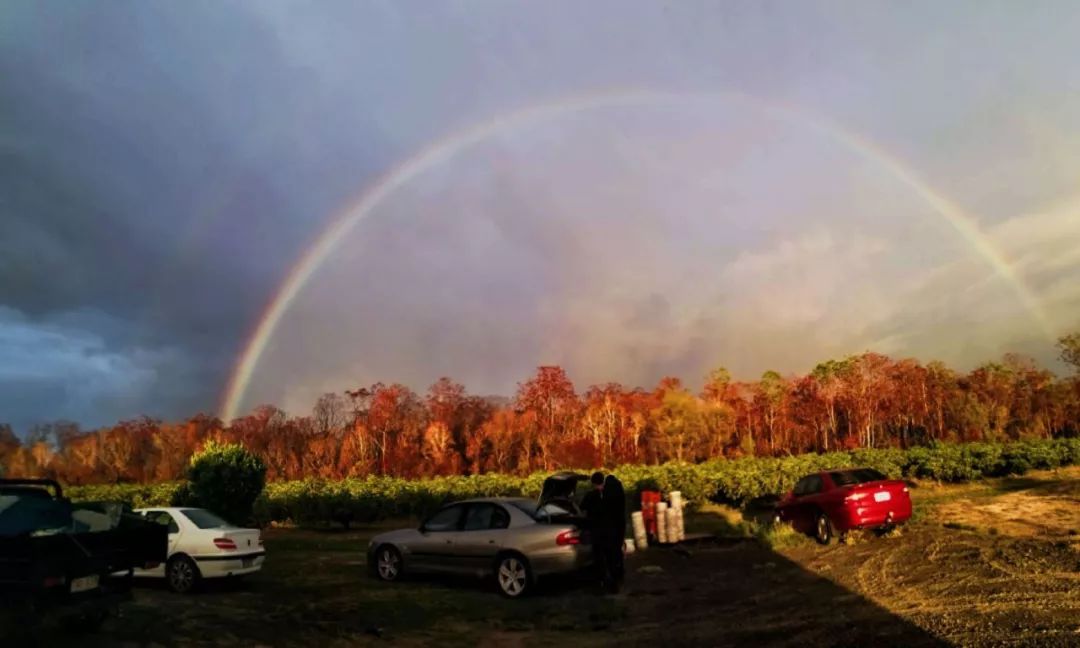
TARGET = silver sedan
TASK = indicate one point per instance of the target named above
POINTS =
(516, 540)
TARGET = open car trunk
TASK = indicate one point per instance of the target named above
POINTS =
(560, 488)
(55, 554)
(557, 502)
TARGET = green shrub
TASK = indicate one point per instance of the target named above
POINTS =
(225, 478)
(314, 502)
(134, 495)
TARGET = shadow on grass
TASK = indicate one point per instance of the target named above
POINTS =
(741, 592)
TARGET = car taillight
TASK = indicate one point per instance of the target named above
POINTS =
(571, 537)
(52, 581)
(905, 489)
(224, 543)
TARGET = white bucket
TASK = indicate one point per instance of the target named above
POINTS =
(628, 546)
(661, 523)
(681, 526)
(637, 521)
(676, 499)
(672, 518)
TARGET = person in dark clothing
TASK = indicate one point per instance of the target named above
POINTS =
(592, 504)
(599, 529)
(614, 515)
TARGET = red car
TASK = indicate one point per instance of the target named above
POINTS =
(834, 501)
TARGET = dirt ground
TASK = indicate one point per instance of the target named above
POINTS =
(1027, 507)
(989, 564)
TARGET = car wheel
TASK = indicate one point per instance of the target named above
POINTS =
(388, 563)
(181, 574)
(823, 530)
(513, 575)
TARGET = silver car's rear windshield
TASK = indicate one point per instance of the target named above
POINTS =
(545, 512)
(204, 519)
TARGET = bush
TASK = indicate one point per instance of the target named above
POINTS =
(225, 478)
(134, 495)
(313, 502)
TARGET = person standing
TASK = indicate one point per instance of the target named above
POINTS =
(599, 529)
(614, 505)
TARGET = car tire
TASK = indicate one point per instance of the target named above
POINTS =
(388, 563)
(823, 529)
(182, 574)
(513, 576)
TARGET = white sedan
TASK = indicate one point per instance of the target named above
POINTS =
(202, 545)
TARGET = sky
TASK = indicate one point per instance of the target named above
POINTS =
(705, 184)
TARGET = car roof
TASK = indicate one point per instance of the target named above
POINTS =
(828, 471)
(34, 491)
(492, 500)
(171, 509)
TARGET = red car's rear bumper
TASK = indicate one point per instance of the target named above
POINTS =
(859, 515)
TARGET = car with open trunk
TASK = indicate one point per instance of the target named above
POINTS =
(64, 563)
(516, 540)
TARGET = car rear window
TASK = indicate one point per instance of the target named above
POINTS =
(860, 476)
(204, 519)
(527, 506)
(543, 513)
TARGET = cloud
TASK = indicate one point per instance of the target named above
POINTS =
(62, 369)
(1044, 251)
(613, 261)
(962, 313)
(162, 167)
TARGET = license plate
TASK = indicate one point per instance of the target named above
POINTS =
(84, 584)
(882, 496)
(248, 562)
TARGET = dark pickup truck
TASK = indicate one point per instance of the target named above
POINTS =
(67, 564)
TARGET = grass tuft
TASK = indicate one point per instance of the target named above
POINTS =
(778, 536)
(959, 526)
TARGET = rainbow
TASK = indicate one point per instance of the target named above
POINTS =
(445, 149)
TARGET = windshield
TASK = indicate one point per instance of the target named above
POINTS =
(34, 515)
(852, 477)
(204, 519)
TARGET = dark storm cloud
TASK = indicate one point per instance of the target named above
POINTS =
(58, 365)
(156, 167)
(162, 165)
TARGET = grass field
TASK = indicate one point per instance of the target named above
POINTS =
(988, 563)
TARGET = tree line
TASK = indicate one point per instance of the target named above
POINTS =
(863, 401)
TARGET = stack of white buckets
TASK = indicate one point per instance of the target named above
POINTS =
(670, 526)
